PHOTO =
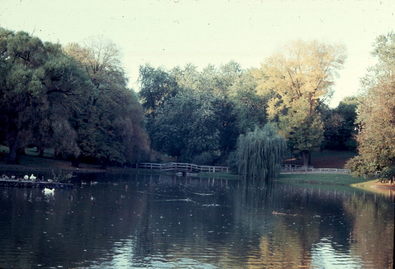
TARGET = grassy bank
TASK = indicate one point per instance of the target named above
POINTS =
(338, 182)
(328, 179)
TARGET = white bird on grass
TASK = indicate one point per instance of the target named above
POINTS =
(48, 191)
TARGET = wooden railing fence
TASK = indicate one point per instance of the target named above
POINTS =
(302, 169)
(187, 167)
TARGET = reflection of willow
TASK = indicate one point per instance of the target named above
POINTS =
(284, 249)
(282, 246)
(372, 237)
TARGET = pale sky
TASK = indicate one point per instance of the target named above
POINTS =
(169, 33)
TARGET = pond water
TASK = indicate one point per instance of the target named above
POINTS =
(169, 222)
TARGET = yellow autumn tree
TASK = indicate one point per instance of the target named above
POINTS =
(300, 78)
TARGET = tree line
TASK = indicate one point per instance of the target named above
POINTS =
(198, 116)
(75, 99)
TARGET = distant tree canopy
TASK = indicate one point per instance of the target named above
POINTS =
(75, 102)
(198, 116)
(339, 125)
(376, 116)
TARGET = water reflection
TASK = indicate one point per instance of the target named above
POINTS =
(169, 222)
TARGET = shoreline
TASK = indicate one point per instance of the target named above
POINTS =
(376, 187)
(370, 186)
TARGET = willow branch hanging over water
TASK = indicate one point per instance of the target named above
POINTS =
(260, 153)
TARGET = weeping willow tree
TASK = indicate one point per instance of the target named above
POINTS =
(260, 152)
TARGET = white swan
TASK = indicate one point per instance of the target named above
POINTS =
(48, 191)
(32, 177)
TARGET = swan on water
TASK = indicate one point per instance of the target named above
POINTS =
(48, 191)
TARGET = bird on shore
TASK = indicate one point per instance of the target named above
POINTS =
(26, 177)
(48, 191)
(32, 177)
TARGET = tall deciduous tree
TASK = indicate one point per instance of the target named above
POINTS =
(38, 84)
(300, 78)
(376, 116)
(110, 125)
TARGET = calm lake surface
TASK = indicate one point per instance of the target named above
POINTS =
(169, 222)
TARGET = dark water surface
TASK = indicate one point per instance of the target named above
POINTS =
(152, 222)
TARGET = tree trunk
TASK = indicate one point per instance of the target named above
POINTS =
(40, 151)
(13, 155)
(305, 157)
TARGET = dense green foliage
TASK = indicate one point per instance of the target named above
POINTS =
(109, 125)
(185, 127)
(259, 153)
(339, 125)
(198, 116)
(37, 83)
(376, 116)
(75, 102)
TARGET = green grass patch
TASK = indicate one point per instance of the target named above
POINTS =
(332, 179)
(329, 182)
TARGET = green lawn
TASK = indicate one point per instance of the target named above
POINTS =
(332, 179)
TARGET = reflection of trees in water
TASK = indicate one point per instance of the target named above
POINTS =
(213, 222)
(187, 219)
(305, 217)
(372, 236)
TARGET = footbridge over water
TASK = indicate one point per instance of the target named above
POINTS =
(184, 167)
